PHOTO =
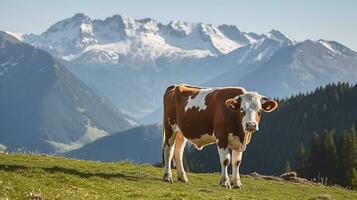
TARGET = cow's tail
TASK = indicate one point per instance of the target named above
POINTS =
(163, 145)
(163, 132)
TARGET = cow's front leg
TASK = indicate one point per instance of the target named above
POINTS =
(225, 159)
(236, 160)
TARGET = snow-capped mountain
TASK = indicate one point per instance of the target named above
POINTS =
(296, 68)
(119, 39)
(133, 60)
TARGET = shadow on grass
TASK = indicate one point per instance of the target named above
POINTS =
(12, 168)
(57, 169)
(75, 172)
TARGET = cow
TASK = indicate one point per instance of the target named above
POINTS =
(227, 116)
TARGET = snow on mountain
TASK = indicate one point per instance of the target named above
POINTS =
(66, 37)
(279, 36)
(17, 35)
(233, 33)
(295, 68)
(140, 57)
(336, 48)
(119, 38)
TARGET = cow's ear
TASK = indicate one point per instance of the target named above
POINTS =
(268, 105)
(233, 103)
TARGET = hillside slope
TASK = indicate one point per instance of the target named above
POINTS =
(140, 145)
(47, 177)
(44, 107)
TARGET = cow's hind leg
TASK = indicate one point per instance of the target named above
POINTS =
(178, 155)
(168, 151)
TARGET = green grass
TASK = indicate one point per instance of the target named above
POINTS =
(61, 178)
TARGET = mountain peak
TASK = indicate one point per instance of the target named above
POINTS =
(336, 48)
(279, 36)
(6, 37)
(182, 28)
(115, 17)
(79, 35)
(80, 17)
(229, 27)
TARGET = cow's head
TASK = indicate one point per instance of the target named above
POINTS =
(250, 105)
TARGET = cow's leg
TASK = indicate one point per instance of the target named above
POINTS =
(236, 160)
(225, 159)
(168, 151)
(178, 155)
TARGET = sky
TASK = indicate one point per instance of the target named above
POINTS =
(299, 19)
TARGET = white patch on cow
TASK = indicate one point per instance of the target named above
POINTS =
(224, 154)
(204, 140)
(250, 103)
(225, 158)
(168, 154)
(199, 101)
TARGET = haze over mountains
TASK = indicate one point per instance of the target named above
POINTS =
(44, 107)
(133, 60)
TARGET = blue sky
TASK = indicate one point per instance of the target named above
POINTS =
(300, 19)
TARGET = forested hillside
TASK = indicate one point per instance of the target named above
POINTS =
(331, 158)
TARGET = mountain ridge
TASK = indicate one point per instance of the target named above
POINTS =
(133, 60)
(184, 39)
(40, 94)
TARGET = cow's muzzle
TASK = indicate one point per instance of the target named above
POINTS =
(251, 126)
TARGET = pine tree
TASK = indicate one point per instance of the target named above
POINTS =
(287, 167)
(328, 156)
(301, 160)
(347, 156)
(354, 179)
(315, 157)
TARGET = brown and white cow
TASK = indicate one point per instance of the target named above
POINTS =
(226, 116)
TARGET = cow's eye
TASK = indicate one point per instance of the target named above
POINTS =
(242, 111)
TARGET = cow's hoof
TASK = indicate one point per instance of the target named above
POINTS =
(183, 180)
(225, 184)
(238, 185)
(168, 178)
